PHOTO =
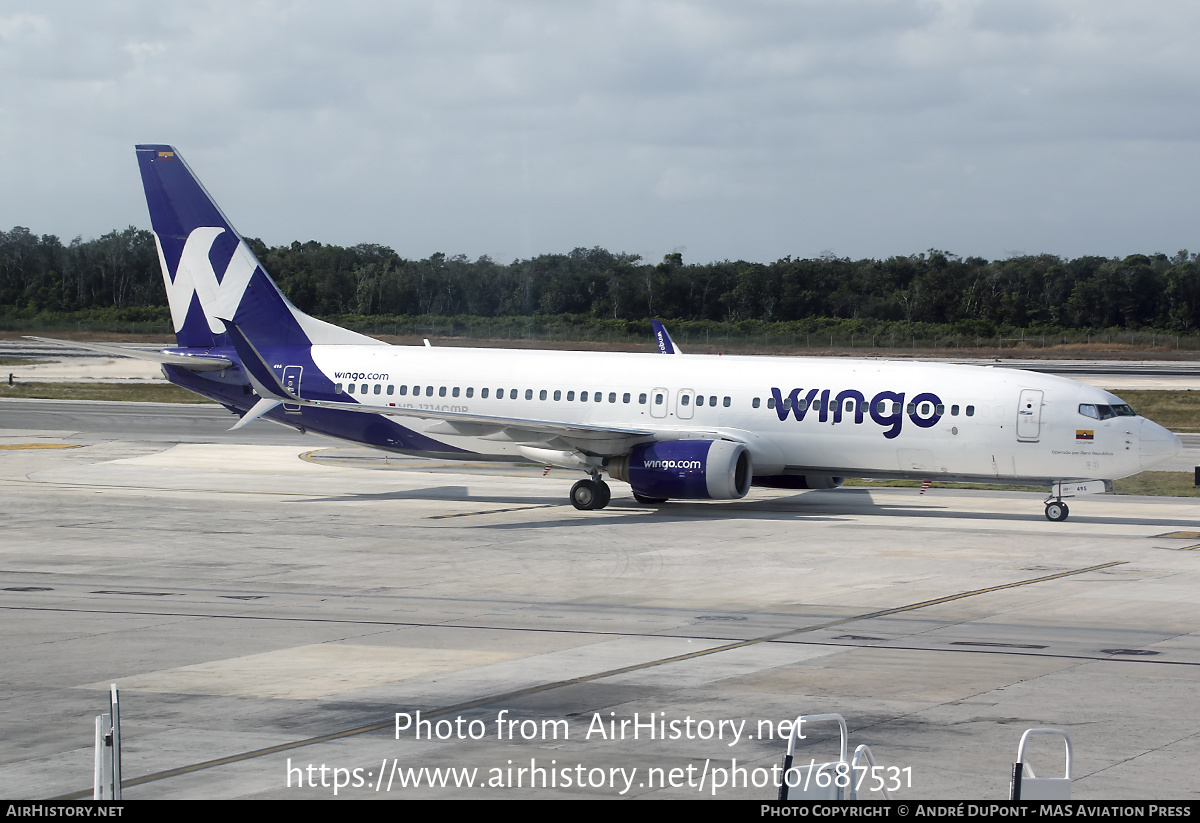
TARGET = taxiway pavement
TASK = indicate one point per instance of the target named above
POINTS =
(268, 601)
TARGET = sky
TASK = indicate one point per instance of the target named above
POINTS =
(748, 130)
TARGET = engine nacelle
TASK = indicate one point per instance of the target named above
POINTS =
(800, 481)
(686, 469)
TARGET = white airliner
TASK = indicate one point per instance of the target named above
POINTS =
(677, 427)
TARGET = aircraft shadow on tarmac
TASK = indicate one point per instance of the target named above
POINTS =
(816, 505)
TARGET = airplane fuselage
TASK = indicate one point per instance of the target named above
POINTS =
(797, 416)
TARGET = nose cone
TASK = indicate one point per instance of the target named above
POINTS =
(1156, 445)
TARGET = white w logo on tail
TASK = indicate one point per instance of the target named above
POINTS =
(195, 275)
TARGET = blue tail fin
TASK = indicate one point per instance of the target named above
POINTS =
(663, 338)
(210, 272)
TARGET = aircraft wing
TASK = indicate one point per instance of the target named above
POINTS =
(513, 429)
(193, 362)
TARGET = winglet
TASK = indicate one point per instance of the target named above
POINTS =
(663, 338)
(255, 367)
(264, 405)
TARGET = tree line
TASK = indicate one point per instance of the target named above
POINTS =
(972, 295)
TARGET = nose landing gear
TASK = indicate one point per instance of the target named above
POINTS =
(1056, 511)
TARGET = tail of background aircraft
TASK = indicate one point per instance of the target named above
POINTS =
(210, 272)
(663, 338)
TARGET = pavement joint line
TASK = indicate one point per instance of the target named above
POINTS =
(495, 511)
(589, 678)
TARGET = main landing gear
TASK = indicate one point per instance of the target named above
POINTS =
(1056, 511)
(593, 493)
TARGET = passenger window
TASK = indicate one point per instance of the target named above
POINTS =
(483, 393)
(658, 399)
(391, 389)
(802, 405)
(337, 388)
(454, 392)
(362, 389)
(557, 394)
(378, 389)
(625, 397)
(970, 411)
(499, 394)
(754, 403)
(512, 394)
(939, 409)
(471, 391)
(912, 409)
(529, 394)
(924, 409)
(583, 397)
(895, 408)
(954, 411)
(542, 394)
(849, 405)
(684, 400)
(597, 396)
(442, 391)
(770, 402)
(351, 388)
(416, 390)
(570, 396)
(642, 398)
(612, 397)
(403, 391)
(728, 400)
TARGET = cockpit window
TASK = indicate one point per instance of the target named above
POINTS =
(1100, 412)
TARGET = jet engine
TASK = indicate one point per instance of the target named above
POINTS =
(686, 470)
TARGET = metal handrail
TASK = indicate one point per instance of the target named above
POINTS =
(862, 751)
(797, 727)
(1055, 732)
(1042, 788)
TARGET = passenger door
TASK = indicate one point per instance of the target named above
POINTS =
(1029, 415)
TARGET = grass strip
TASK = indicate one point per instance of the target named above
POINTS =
(128, 392)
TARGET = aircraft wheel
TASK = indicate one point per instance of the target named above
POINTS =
(604, 494)
(1057, 512)
(588, 494)
(641, 498)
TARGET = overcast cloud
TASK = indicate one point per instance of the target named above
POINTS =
(748, 130)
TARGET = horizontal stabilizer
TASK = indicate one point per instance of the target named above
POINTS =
(193, 362)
